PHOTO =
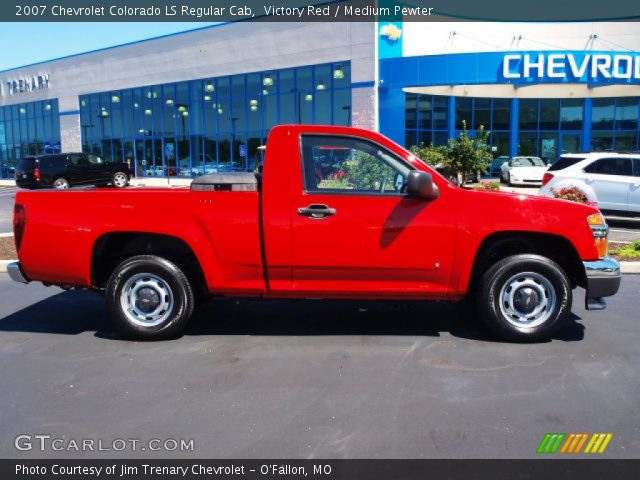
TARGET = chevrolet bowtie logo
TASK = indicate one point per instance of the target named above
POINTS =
(573, 443)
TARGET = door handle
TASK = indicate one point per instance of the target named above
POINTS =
(316, 211)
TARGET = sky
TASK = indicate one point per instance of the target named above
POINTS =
(27, 43)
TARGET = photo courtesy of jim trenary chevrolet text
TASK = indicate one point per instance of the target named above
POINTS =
(332, 239)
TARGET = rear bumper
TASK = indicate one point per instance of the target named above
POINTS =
(16, 274)
(603, 279)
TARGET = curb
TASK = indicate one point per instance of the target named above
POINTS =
(630, 267)
(625, 267)
(3, 265)
(5, 235)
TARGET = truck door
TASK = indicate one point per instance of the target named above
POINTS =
(355, 231)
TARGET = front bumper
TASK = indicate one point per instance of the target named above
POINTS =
(15, 273)
(603, 280)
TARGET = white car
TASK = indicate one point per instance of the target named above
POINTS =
(523, 171)
(611, 180)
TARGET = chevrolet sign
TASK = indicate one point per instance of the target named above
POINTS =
(568, 66)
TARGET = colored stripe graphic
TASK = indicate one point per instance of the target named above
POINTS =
(574, 443)
(598, 442)
(551, 442)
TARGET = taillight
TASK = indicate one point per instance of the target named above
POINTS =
(36, 173)
(19, 221)
(546, 178)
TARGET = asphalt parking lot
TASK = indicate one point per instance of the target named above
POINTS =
(310, 379)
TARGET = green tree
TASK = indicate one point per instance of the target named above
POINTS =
(462, 155)
(466, 155)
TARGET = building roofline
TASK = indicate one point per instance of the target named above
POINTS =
(167, 35)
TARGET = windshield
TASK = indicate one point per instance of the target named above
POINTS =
(527, 162)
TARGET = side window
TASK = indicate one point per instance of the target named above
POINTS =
(351, 164)
(95, 160)
(610, 166)
(636, 167)
(77, 159)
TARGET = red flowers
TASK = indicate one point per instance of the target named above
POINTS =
(573, 194)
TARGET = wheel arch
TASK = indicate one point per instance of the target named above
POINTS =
(499, 245)
(112, 248)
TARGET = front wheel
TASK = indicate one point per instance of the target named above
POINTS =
(149, 298)
(525, 298)
(120, 180)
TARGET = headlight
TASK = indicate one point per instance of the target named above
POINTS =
(600, 231)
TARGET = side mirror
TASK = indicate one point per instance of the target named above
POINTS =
(420, 184)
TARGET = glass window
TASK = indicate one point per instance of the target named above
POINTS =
(602, 114)
(626, 141)
(601, 141)
(425, 112)
(527, 144)
(501, 114)
(571, 114)
(410, 121)
(463, 112)
(549, 114)
(440, 108)
(342, 107)
(322, 107)
(626, 114)
(342, 163)
(528, 114)
(482, 113)
(304, 78)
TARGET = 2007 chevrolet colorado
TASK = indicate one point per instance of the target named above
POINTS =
(336, 213)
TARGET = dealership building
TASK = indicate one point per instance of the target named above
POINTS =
(204, 100)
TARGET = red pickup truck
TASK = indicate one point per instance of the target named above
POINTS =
(336, 213)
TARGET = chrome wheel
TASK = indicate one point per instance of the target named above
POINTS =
(61, 184)
(146, 300)
(527, 300)
(120, 180)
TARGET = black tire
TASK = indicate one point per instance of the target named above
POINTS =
(509, 180)
(151, 280)
(61, 184)
(531, 277)
(120, 179)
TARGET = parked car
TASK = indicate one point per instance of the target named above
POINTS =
(612, 180)
(64, 170)
(523, 171)
(381, 224)
(495, 166)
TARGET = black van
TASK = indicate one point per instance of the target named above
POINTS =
(64, 170)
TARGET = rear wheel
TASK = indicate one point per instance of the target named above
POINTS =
(120, 179)
(149, 298)
(61, 183)
(525, 298)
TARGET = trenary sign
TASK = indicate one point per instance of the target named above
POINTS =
(571, 67)
(25, 84)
